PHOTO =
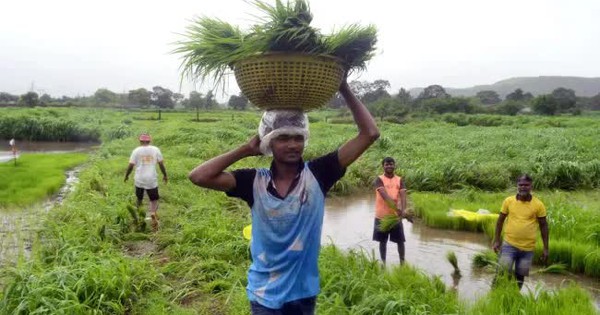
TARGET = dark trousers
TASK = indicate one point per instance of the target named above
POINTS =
(304, 306)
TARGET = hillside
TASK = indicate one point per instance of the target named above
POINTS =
(536, 85)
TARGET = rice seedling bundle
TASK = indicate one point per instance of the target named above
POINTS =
(554, 268)
(281, 62)
(388, 222)
(485, 258)
(451, 257)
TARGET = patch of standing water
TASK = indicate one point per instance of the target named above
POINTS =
(348, 223)
(42, 146)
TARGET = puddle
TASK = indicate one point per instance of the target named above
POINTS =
(43, 146)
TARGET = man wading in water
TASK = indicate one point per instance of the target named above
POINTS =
(287, 203)
(523, 213)
(390, 190)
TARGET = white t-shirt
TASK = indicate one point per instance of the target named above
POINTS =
(145, 159)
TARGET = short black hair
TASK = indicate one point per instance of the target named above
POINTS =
(388, 160)
(525, 177)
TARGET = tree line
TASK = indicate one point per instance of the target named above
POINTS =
(432, 100)
(157, 97)
(435, 100)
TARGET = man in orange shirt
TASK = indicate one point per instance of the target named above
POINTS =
(523, 214)
(389, 190)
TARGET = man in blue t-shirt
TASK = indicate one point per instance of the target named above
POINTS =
(287, 202)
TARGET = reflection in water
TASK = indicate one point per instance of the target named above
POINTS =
(348, 223)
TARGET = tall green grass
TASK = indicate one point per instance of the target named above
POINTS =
(506, 299)
(45, 129)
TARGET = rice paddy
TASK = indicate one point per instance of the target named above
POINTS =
(90, 256)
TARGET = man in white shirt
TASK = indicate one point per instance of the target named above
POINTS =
(144, 158)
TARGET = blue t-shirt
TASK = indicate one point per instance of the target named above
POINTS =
(286, 230)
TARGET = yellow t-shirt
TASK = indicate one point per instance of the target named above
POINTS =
(521, 221)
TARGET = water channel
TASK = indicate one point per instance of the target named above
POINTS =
(348, 223)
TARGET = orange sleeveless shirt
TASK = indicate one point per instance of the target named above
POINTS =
(392, 188)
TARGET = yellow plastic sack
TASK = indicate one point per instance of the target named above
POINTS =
(473, 216)
(247, 232)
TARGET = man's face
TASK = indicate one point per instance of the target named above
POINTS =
(389, 167)
(523, 187)
(288, 148)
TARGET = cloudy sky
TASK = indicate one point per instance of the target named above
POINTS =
(63, 47)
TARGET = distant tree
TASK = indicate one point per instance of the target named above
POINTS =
(488, 97)
(238, 102)
(140, 97)
(195, 101)
(45, 99)
(387, 107)
(209, 100)
(404, 96)
(519, 95)
(378, 90)
(161, 97)
(509, 108)
(449, 105)
(105, 96)
(337, 101)
(565, 99)
(177, 98)
(369, 92)
(433, 91)
(8, 98)
(594, 102)
(30, 99)
(545, 105)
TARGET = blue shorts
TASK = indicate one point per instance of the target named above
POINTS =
(298, 307)
(512, 258)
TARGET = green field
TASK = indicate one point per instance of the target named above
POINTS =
(92, 257)
(35, 177)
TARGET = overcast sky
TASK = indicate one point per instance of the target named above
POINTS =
(72, 48)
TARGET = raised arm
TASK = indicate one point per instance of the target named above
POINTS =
(367, 128)
(211, 174)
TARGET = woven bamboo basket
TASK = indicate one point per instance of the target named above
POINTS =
(289, 80)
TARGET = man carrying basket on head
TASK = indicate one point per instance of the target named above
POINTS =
(287, 203)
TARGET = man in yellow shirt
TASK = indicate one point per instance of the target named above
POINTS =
(523, 214)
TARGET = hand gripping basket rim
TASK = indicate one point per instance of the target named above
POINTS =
(289, 80)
